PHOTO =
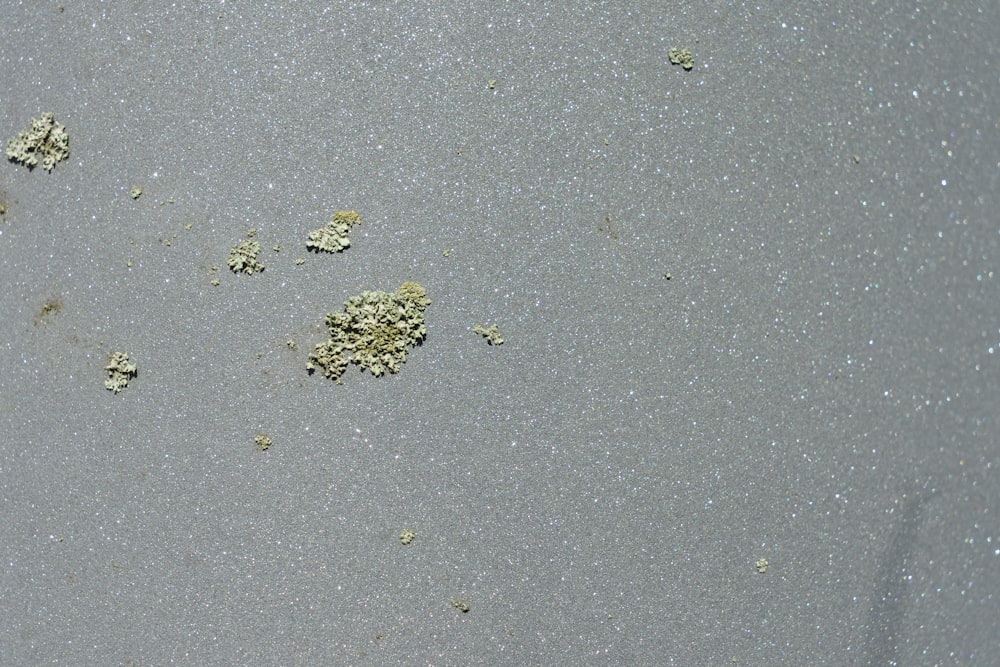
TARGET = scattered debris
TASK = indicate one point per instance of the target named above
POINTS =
(333, 237)
(243, 256)
(608, 228)
(120, 371)
(45, 137)
(50, 307)
(491, 334)
(375, 329)
(406, 536)
(135, 192)
(681, 57)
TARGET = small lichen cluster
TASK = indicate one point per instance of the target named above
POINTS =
(406, 535)
(243, 256)
(491, 333)
(374, 331)
(120, 371)
(45, 137)
(333, 237)
(681, 57)
(262, 442)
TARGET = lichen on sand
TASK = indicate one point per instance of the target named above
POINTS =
(333, 237)
(682, 57)
(490, 333)
(374, 331)
(243, 256)
(46, 138)
(120, 370)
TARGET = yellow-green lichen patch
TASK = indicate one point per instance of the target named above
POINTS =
(374, 331)
(135, 192)
(243, 256)
(120, 370)
(406, 536)
(491, 334)
(681, 57)
(761, 565)
(46, 138)
(460, 605)
(262, 442)
(333, 237)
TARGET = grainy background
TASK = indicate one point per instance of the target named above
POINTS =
(816, 384)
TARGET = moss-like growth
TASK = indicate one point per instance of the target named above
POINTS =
(46, 138)
(243, 256)
(120, 370)
(491, 334)
(333, 237)
(374, 331)
(681, 57)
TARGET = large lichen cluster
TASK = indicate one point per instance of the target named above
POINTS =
(333, 237)
(120, 370)
(46, 138)
(374, 331)
(243, 256)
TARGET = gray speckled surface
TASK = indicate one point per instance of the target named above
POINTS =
(815, 385)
